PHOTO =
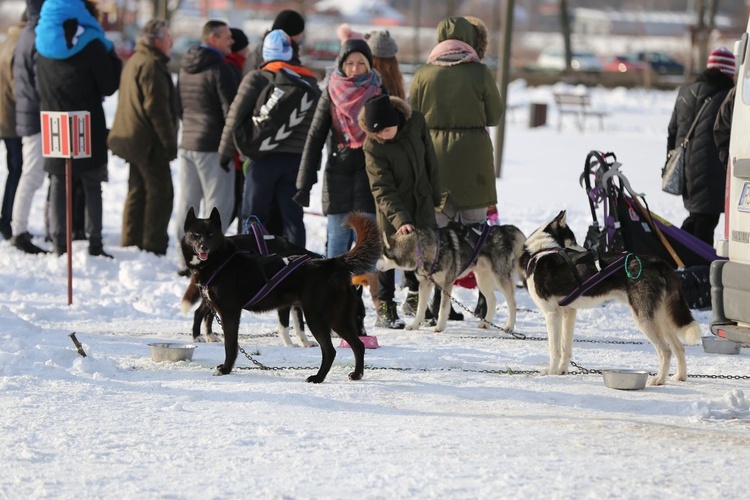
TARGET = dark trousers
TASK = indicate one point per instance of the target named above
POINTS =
(273, 179)
(148, 207)
(92, 188)
(701, 226)
(15, 164)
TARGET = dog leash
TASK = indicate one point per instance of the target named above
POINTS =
(277, 278)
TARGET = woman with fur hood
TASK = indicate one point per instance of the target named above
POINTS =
(403, 173)
(459, 99)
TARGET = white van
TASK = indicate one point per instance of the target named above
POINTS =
(730, 279)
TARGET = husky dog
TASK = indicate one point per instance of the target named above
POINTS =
(204, 315)
(232, 280)
(440, 256)
(648, 285)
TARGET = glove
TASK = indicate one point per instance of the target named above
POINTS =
(302, 198)
(224, 163)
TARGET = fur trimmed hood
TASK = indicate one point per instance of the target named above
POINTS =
(400, 105)
(482, 35)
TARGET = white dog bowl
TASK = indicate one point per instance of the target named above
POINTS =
(718, 345)
(167, 351)
(628, 380)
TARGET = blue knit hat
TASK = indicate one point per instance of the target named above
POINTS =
(277, 46)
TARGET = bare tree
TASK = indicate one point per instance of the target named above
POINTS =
(565, 30)
(163, 9)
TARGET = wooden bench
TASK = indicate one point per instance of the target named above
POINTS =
(578, 105)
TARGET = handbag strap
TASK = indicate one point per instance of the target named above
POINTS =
(697, 117)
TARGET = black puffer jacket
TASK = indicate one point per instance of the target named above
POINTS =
(79, 83)
(206, 88)
(723, 125)
(346, 186)
(705, 173)
(24, 74)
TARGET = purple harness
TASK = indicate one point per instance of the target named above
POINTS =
(475, 252)
(590, 282)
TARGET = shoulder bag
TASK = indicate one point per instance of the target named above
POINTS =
(673, 173)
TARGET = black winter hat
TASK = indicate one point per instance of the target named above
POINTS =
(290, 21)
(380, 113)
(354, 45)
(240, 39)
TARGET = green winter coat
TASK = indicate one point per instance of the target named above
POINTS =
(403, 172)
(146, 120)
(460, 101)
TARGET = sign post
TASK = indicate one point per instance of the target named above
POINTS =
(67, 134)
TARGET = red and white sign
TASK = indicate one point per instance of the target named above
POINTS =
(66, 134)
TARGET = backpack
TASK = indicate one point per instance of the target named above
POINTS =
(281, 106)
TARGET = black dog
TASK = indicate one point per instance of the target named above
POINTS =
(232, 280)
(261, 244)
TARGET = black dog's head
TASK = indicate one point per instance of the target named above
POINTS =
(202, 236)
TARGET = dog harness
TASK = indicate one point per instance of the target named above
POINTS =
(281, 275)
(592, 280)
(468, 234)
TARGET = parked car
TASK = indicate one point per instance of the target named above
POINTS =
(661, 63)
(554, 59)
(623, 64)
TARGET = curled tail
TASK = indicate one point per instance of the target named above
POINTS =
(687, 328)
(369, 248)
(191, 296)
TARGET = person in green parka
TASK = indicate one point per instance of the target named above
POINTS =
(403, 173)
(458, 97)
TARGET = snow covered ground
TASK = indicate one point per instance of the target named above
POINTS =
(436, 415)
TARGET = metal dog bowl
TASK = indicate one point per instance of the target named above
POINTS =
(628, 380)
(169, 351)
(718, 345)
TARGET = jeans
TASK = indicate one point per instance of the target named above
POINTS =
(340, 237)
(14, 148)
(270, 180)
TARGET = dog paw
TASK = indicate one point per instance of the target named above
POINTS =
(219, 371)
(654, 381)
(310, 344)
(438, 329)
(483, 325)
(412, 326)
(355, 376)
(199, 340)
(212, 337)
(314, 379)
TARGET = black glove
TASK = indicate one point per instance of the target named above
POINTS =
(224, 163)
(302, 198)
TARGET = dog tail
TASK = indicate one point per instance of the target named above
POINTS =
(192, 295)
(369, 248)
(688, 329)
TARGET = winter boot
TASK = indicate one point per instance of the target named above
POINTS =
(388, 316)
(409, 307)
(481, 310)
(23, 243)
(452, 316)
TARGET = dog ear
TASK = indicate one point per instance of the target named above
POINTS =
(190, 218)
(386, 241)
(216, 216)
(560, 218)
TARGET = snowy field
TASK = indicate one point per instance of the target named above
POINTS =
(461, 414)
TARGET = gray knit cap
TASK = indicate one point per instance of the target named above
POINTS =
(381, 44)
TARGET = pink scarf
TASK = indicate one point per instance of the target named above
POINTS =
(349, 96)
(452, 52)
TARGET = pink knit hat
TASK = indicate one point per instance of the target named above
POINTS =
(723, 60)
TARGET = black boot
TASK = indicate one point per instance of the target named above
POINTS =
(481, 310)
(452, 316)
